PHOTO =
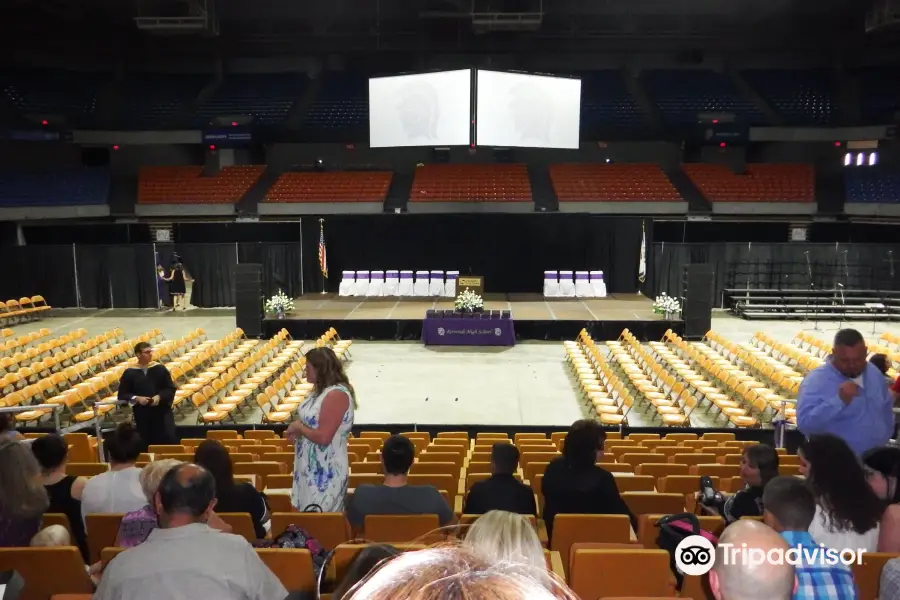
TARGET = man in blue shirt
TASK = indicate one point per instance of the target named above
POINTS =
(789, 509)
(847, 397)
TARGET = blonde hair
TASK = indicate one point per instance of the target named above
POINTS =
(52, 535)
(451, 573)
(506, 536)
(22, 492)
(152, 475)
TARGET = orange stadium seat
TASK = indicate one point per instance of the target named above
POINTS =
(471, 183)
(335, 186)
(187, 185)
(612, 183)
(761, 183)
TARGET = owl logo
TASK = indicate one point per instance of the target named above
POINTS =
(441, 331)
(419, 110)
(497, 331)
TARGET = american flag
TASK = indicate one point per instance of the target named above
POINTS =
(323, 257)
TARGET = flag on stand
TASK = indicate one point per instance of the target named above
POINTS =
(642, 266)
(323, 257)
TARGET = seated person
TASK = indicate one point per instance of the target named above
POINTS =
(501, 491)
(119, 489)
(394, 496)
(63, 490)
(23, 498)
(790, 508)
(232, 497)
(759, 465)
(52, 536)
(370, 559)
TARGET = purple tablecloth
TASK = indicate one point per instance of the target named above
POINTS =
(457, 331)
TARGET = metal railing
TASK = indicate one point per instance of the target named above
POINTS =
(20, 409)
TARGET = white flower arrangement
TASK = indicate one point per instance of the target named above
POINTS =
(468, 301)
(279, 303)
(666, 304)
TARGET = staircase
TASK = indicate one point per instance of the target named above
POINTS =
(848, 98)
(249, 204)
(542, 192)
(298, 111)
(697, 202)
(643, 100)
(398, 192)
(123, 194)
(830, 192)
(748, 92)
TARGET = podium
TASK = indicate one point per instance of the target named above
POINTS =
(475, 283)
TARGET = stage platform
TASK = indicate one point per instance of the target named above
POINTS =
(536, 318)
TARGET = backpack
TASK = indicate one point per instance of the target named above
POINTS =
(673, 529)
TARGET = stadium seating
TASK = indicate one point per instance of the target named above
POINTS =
(680, 94)
(341, 104)
(872, 185)
(267, 98)
(761, 183)
(606, 104)
(471, 183)
(611, 183)
(187, 185)
(153, 100)
(879, 93)
(333, 186)
(81, 187)
(803, 97)
(70, 95)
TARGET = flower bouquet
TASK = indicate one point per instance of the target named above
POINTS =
(469, 301)
(665, 304)
(279, 304)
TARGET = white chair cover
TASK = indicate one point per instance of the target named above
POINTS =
(376, 284)
(551, 284)
(348, 280)
(436, 287)
(583, 285)
(597, 284)
(566, 284)
(392, 283)
(361, 287)
(421, 287)
(450, 284)
(406, 284)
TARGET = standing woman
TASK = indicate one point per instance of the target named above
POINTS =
(320, 435)
(176, 285)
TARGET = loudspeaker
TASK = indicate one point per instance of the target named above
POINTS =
(248, 300)
(698, 301)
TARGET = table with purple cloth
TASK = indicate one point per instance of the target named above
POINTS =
(491, 328)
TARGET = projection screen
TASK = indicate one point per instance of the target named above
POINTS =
(521, 110)
(428, 109)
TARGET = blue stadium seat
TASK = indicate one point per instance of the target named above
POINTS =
(803, 97)
(342, 103)
(267, 98)
(54, 188)
(872, 185)
(71, 95)
(679, 94)
(151, 101)
(879, 92)
(606, 104)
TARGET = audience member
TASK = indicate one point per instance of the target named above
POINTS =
(882, 468)
(501, 491)
(848, 512)
(23, 498)
(745, 580)
(759, 464)
(574, 483)
(8, 428)
(119, 489)
(185, 557)
(394, 496)
(52, 536)
(232, 497)
(370, 559)
(889, 586)
(137, 524)
(453, 573)
(63, 490)
(881, 361)
(847, 397)
(790, 508)
(508, 537)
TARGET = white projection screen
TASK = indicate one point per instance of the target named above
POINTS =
(520, 110)
(428, 109)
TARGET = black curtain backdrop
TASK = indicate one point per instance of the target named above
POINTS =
(119, 276)
(282, 266)
(211, 266)
(45, 270)
(777, 266)
(510, 251)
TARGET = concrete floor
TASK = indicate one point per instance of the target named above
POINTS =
(405, 382)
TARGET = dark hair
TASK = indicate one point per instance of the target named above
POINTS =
(886, 461)
(764, 458)
(50, 451)
(6, 424)
(584, 439)
(791, 502)
(191, 496)
(397, 455)
(367, 561)
(213, 456)
(848, 337)
(329, 370)
(140, 347)
(505, 458)
(838, 482)
(880, 361)
(125, 444)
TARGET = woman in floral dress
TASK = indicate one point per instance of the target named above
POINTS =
(320, 435)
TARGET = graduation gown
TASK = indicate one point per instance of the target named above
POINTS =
(155, 423)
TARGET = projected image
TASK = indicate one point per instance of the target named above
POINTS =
(431, 109)
(519, 110)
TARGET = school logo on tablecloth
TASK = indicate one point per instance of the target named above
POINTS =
(497, 331)
(441, 331)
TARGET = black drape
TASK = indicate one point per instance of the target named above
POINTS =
(282, 266)
(93, 276)
(45, 270)
(510, 251)
(120, 276)
(211, 266)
